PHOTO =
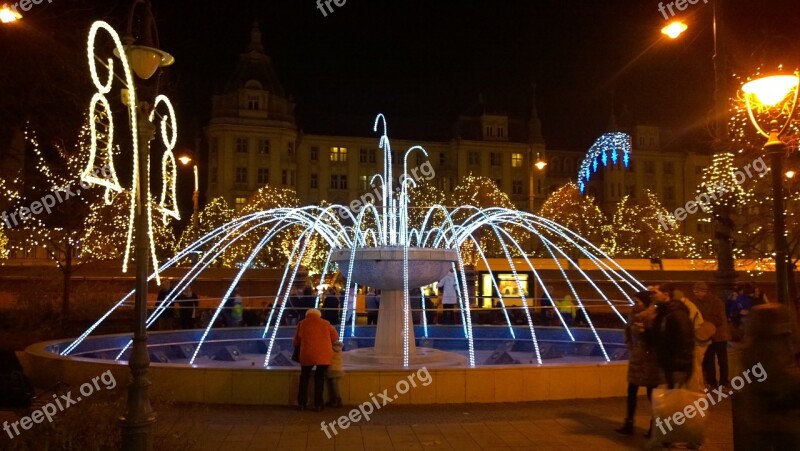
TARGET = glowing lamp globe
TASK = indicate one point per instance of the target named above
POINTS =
(772, 90)
(145, 60)
(185, 159)
(540, 164)
(8, 15)
(674, 29)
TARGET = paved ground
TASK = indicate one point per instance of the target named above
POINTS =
(562, 425)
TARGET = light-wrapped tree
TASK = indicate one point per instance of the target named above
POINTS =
(579, 213)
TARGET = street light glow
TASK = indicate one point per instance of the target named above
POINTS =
(185, 159)
(770, 91)
(8, 15)
(674, 29)
(540, 164)
(790, 174)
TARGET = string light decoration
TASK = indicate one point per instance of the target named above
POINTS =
(105, 136)
(638, 231)
(3, 244)
(62, 232)
(579, 213)
(607, 146)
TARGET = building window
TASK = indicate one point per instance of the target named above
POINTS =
(446, 184)
(363, 156)
(516, 160)
(241, 145)
(314, 153)
(363, 182)
(372, 153)
(263, 146)
(494, 159)
(442, 158)
(474, 158)
(287, 177)
(669, 194)
(314, 181)
(339, 154)
(239, 203)
(262, 176)
(252, 102)
(241, 175)
(500, 132)
(338, 181)
(290, 147)
(649, 167)
(489, 131)
(516, 187)
(667, 168)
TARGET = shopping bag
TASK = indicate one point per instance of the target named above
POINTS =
(680, 416)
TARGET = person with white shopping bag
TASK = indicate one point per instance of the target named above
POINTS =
(673, 334)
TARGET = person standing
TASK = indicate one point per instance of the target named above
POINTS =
(335, 372)
(306, 302)
(373, 304)
(673, 335)
(447, 289)
(315, 337)
(643, 370)
(713, 310)
(187, 307)
(703, 331)
(166, 320)
(566, 308)
(330, 307)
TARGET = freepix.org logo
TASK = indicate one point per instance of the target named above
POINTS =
(423, 171)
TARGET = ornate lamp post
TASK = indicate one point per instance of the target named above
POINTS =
(776, 97)
(144, 59)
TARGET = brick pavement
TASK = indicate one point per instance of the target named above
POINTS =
(551, 425)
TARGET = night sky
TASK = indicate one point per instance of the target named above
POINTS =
(424, 62)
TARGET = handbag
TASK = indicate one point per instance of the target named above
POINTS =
(705, 331)
(296, 354)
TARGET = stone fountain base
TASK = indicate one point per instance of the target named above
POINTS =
(366, 358)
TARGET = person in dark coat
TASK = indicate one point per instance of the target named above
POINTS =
(306, 302)
(166, 320)
(330, 307)
(673, 334)
(643, 369)
(713, 310)
(373, 303)
(187, 307)
(315, 337)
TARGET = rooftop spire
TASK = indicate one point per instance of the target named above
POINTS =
(534, 124)
(255, 38)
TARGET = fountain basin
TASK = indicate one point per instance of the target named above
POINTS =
(382, 267)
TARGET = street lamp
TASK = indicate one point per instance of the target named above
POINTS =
(186, 160)
(775, 96)
(674, 29)
(8, 15)
(539, 164)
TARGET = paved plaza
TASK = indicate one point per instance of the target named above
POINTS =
(550, 425)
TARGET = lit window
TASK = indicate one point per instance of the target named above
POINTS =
(363, 182)
(241, 145)
(241, 175)
(239, 203)
(339, 154)
(516, 160)
(263, 146)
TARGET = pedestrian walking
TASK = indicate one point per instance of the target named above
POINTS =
(373, 302)
(643, 369)
(315, 337)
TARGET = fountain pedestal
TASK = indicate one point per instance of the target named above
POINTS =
(382, 268)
